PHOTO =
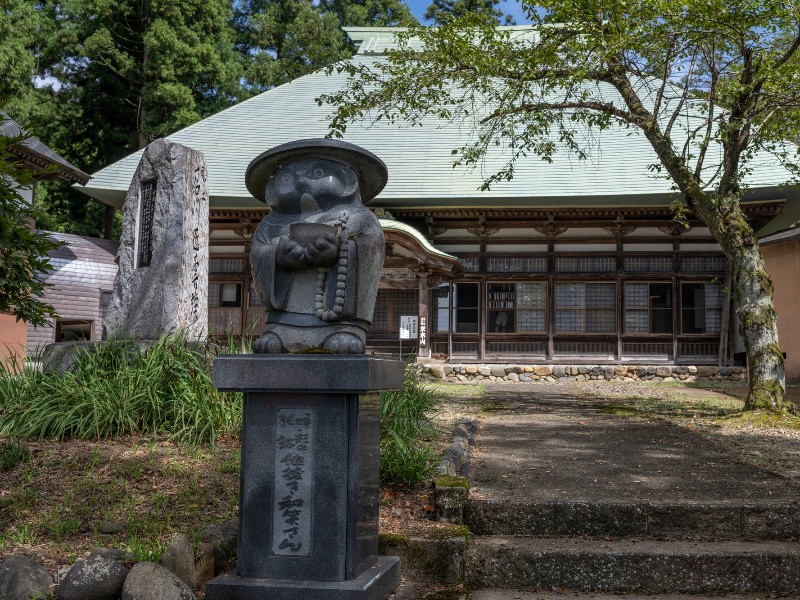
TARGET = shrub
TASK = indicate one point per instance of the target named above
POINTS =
(406, 430)
(117, 389)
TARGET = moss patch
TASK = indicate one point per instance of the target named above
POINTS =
(443, 481)
(620, 411)
(762, 419)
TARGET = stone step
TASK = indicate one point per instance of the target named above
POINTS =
(504, 594)
(648, 566)
(654, 520)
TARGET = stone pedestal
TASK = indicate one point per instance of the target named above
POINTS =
(308, 516)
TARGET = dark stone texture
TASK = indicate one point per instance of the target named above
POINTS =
(223, 537)
(610, 572)
(178, 558)
(599, 518)
(109, 528)
(306, 373)
(94, 578)
(149, 581)
(698, 573)
(204, 565)
(427, 560)
(22, 578)
(112, 554)
(375, 583)
(771, 521)
(499, 563)
(695, 521)
(449, 503)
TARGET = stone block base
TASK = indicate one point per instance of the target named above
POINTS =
(376, 583)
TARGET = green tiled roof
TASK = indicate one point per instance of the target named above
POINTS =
(419, 158)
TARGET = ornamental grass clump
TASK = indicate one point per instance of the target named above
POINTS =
(118, 388)
(406, 430)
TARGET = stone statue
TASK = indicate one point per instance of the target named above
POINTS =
(317, 256)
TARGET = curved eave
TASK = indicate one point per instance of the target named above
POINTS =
(412, 240)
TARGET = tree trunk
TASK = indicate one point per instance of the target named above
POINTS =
(753, 291)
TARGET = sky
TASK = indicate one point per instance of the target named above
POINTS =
(511, 7)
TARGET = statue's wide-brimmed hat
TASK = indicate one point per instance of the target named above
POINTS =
(371, 170)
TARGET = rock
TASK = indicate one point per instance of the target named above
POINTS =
(529, 369)
(484, 371)
(204, 565)
(461, 377)
(515, 369)
(22, 578)
(608, 372)
(112, 554)
(110, 528)
(692, 370)
(725, 371)
(543, 370)
(583, 370)
(669, 379)
(178, 558)
(620, 370)
(498, 371)
(149, 581)
(93, 578)
(559, 371)
(448, 370)
(513, 377)
(472, 370)
(573, 371)
(224, 538)
(663, 371)
(437, 371)
(707, 371)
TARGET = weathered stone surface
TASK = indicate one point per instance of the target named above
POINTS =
(484, 371)
(110, 528)
(22, 578)
(223, 538)
(162, 283)
(498, 371)
(542, 370)
(471, 370)
(424, 561)
(559, 371)
(93, 578)
(513, 377)
(178, 558)
(449, 502)
(608, 372)
(149, 581)
(204, 565)
(663, 371)
(112, 554)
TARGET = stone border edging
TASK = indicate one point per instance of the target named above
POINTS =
(455, 456)
(529, 373)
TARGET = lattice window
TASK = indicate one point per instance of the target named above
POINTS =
(213, 295)
(517, 307)
(380, 318)
(586, 264)
(253, 298)
(703, 264)
(404, 302)
(648, 308)
(502, 264)
(586, 307)
(470, 264)
(226, 265)
(648, 264)
(701, 307)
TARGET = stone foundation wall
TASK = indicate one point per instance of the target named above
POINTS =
(457, 373)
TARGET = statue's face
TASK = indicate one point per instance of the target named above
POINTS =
(311, 185)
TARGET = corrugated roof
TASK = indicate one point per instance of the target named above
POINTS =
(10, 128)
(419, 158)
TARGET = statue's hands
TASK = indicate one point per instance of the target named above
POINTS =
(290, 255)
(323, 251)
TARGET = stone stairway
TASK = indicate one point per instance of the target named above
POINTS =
(633, 548)
(568, 500)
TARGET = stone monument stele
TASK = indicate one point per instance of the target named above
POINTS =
(308, 508)
(162, 283)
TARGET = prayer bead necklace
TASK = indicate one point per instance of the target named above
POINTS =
(341, 277)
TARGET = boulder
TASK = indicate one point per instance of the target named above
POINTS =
(22, 578)
(484, 371)
(543, 370)
(149, 581)
(178, 558)
(93, 578)
(559, 371)
(608, 372)
(204, 565)
(224, 538)
(498, 371)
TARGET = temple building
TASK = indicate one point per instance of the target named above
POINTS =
(569, 262)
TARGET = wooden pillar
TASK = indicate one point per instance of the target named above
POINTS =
(424, 317)
(726, 317)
